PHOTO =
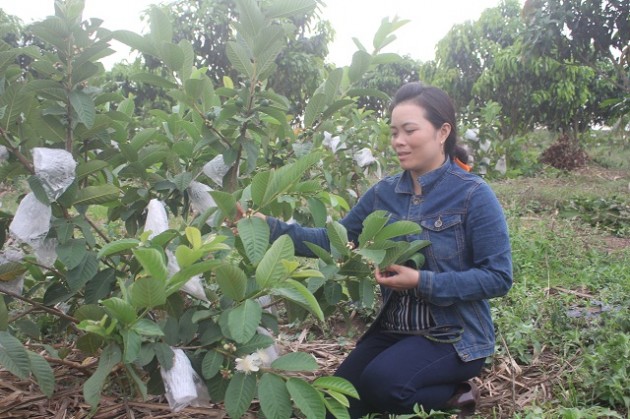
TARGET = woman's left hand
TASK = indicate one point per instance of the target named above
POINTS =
(398, 277)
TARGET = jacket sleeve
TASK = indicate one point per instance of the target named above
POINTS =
(353, 222)
(489, 273)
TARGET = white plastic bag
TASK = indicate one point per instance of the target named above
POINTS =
(31, 221)
(183, 385)
(216, 169)
(364, 157)
(55, 168)
(157, 220)
(4, 154)
(193, 286)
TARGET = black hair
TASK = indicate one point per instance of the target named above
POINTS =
(439, 110)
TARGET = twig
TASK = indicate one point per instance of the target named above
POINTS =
(98, 230)
(16, 152)
(49, 310)
(70, 364)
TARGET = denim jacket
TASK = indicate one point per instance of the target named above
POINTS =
(469, 258)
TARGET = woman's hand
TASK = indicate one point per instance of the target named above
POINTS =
(398, 277)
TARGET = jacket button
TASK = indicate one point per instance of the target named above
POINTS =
(416, 200)
(438, 223)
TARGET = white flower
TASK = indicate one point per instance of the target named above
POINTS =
(250, 363)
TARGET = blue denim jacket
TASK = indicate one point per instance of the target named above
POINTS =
(469, 259)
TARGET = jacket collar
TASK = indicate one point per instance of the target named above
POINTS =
(427, 181)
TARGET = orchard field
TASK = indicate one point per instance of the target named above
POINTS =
(130, 286)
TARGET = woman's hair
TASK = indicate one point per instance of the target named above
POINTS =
(439, 109)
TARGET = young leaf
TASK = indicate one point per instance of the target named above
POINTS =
(295, 361)
(306, 398)
(93, 387)
(193, 235)
(152, 262)
(275, 400)
(254, 233)
(43, 373)
(243, 320)
(270, 270)
(239, 395)
(13, 356)
(232, 281)
(148, 292)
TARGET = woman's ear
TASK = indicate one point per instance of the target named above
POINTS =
(445, 131)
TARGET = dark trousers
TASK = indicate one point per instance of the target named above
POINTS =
(393, 372)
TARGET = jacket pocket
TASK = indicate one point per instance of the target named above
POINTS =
(446, 234)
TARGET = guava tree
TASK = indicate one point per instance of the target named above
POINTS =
(119, 243)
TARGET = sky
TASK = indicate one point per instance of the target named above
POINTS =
(430, 21)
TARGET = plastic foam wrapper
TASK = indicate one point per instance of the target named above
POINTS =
(216, 169)
(334, 143)
(364, 157)
(31, 221)
(4, 154)
(157, 220)
(14, 285)
(55, 168)
(183, 385)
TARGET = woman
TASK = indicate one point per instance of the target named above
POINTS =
(434, 329)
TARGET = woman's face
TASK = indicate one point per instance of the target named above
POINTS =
(418, 144)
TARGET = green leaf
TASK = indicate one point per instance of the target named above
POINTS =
(338, 384)
(161, 27)
(399, 228)
(117, 246)
(186, 256)
(254, 233)
(131, 344)
(153, 80)
(275, 400)
(372, 224)
(172, 55)
(270, 270)
(288, 176)
(314, 108)
(83, 105)
(239, 394)
(259, 187)
(164, 355)
(243, 320)
(211, 364)
(148, 292)
(82, 273)
(152, 262)
(306, 398)
(13, 356)
(321, 253)
(141, 386)
(259, 341)
(369, 93)
(295, 361)
(336, 408)
(92, 166)
(120, 310)
(96, 195)
(93, 387)
(232, 281)
(288, 8)
(72, 252)
(146, 327)
(240, 58)
(360, 64)
(43, 373)
(226, 203)
(338, 237)
(100, 286)
(299, 294)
